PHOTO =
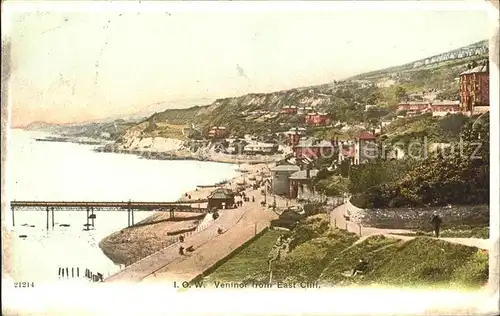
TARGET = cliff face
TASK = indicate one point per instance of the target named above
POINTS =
(259, 113)
(135, 138)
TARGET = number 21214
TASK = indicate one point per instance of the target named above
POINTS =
(24, 284)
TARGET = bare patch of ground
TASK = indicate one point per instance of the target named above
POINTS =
(131, 244)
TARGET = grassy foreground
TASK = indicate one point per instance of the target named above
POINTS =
(328, 256)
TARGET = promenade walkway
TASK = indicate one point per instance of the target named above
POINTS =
(239, 225)
(337, 219)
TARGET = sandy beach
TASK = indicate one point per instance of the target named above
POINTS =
(249, 171)
(154, 233)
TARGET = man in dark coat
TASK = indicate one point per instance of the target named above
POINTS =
(360, 267)
(436, 223)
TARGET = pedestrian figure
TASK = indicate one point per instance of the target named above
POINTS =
(189, 196)
(360, 267)
(181, 250)
(219, 230)
(436, 223)
(181, 238)
(253, 198)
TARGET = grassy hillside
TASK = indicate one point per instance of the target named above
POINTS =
(328, 256)
(345, 99)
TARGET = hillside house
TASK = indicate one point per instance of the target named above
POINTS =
(366, 148)
(258, 148)
(317, 119)
(281, 178)
(369, 106)
(474, 89)
(291, 109)
(309, 150)
(414, 107)
(300, 183)
(347, 151)
(442, 108)
(217, 132)
(304, 110)
(294, 135)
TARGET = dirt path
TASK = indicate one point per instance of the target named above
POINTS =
(337, 220)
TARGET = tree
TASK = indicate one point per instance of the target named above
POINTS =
(400, 93)
(459, 176)
(451, 125)
(374, 114)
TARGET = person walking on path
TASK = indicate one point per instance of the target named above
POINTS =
(436, 223)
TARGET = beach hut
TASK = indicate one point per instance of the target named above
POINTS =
(221, 197)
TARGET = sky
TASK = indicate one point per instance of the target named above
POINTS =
(72, 64)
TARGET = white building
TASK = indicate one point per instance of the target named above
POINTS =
(260, 148)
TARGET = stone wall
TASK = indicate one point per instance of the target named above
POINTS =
(418, 218)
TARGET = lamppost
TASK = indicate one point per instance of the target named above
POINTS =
(477, 120)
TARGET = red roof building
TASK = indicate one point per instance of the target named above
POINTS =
(441, 108)
(413, 107)
(217, 132)
(317, 119)
(474, 90)
(365, 148)
(311, 150)
(289, 110)
(366, 136)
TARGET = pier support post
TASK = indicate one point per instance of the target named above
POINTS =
(52, 209)
(92, 213)
(129, 211)
(47, 218)
(132, 212)
(13, 219)
(88, 214)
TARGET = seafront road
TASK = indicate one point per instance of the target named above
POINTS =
(239, 226)
(337, 218)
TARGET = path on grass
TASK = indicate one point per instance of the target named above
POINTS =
(337, 220)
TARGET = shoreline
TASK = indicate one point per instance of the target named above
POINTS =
(187, 155)
(148, 237)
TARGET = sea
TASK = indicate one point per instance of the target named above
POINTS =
(62, 171)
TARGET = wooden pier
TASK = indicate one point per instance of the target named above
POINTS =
(94, 206)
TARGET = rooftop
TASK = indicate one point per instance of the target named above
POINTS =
(478, 69)
(221, 193)
(302, 174)
(446, 102)
(324, 143)
(286, 168)
(366, 136)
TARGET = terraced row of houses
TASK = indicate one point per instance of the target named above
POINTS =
(463, 53)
